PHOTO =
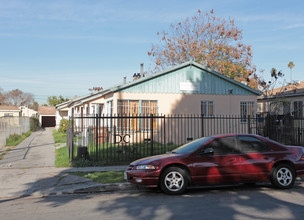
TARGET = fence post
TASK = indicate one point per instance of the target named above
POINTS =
(72, 135)
(299, 136)
(96, 135)
(249, 126)
(256, 123)
(165, 143)
(202, 125)
(151, 124)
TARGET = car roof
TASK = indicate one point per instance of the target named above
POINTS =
(234, 135)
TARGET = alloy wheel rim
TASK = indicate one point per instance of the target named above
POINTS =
(284, 176)
(174, 181)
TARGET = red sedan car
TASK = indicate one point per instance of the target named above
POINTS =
(220, 159)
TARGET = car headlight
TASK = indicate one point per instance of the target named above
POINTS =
(145, 167)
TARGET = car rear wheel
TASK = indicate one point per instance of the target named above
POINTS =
(282, 176)
(174, 181)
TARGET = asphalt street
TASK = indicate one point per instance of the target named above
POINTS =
(234, 202)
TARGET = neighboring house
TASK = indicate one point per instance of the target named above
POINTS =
(65, 110)
(47, 116)
(9, 111)
(287, 100)
(27, 112)
(188, 88)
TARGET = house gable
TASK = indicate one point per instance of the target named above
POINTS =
(189, 78)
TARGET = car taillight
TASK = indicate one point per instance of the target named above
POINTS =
(302, 158)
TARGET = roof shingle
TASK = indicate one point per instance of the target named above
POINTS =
(9, 108)
(47, 110)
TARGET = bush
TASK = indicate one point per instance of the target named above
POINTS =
(63, 126)
(34, 124)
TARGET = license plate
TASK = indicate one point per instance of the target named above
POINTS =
(125, 176)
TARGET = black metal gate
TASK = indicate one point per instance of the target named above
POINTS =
(285, 129)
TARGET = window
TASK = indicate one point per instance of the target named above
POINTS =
(136, 108)
(149, 108)
(207, 108)
(298, 109)
(249, 144)
(223, 146)
(286, 108)
(128, 108)
(247, 109)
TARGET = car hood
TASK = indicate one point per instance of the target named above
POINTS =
(154, 159)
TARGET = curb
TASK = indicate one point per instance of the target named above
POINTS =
(110, 187)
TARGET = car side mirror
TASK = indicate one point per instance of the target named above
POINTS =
(207, 151)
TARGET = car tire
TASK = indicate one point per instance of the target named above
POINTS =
(282, 176)
(174, 181)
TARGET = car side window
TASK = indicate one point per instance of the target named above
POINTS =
(249, 144)
(223, 146)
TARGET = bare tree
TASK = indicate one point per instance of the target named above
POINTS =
(274, 90)
(17, 97)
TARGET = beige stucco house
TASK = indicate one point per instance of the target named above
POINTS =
(9, 111)
(188, 88)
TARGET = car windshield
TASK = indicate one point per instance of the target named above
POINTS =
(192, 146)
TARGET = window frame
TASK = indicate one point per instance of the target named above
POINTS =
(135, 124)
(206, 104)
(244, 105)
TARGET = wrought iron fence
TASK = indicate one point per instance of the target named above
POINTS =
(120, 139)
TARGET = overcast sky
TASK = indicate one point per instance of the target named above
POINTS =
(65, 47)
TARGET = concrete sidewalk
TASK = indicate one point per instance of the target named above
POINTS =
(53, 181)
(29, 169)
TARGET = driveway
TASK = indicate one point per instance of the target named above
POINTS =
(38, 150)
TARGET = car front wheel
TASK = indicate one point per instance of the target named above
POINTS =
(174, 181)
(283, 176)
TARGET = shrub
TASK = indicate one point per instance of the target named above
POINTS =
(82, 163)
(34, 124)
(63, 126)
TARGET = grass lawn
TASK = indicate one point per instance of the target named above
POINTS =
(103, 177)
(16, 139)
(62, 157)
(59, 137)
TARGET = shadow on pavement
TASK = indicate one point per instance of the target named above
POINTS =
(259, 201)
